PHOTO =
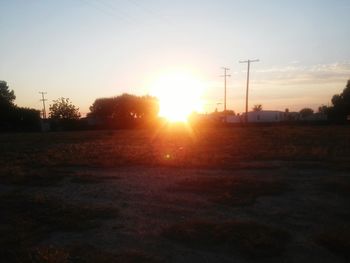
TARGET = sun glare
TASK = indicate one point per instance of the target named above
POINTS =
(179, 95)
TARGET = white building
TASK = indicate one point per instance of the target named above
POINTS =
(265, 116)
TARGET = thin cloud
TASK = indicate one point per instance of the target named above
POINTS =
(292, 75)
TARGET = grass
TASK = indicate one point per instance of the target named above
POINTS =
(81, 253)
(30, 219)
(85, 178)
(90, 178)
(339, 185)
(232, 190)
(197, 147)
(89, 254)
(336, 240)
(36, 160)
(56, 215)
(249, 238)
(27, 176)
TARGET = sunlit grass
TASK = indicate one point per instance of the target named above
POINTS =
(199, 147)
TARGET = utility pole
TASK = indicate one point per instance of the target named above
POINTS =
(43, 100)
(225, 90)
(247, 92)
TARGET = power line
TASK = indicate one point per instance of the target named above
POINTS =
(247, 91)
(43, 100)
(225, 88)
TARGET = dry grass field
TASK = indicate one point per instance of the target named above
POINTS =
(243, 194)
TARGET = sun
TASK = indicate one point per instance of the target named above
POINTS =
(179, 95)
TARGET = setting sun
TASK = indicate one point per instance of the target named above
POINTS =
(179, 95)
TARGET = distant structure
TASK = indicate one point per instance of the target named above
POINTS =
(273, 116)
(265, 116)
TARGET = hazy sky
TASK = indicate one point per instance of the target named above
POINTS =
(85, 49)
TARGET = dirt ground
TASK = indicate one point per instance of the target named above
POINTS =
(310, 201)
(266, 194)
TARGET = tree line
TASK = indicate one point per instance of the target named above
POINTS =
(13, 117)
(124, 111)
(339, 112)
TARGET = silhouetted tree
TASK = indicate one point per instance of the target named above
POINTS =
(13, 117)
(103, 108)
(306, 112)
(63, 109)
(323, 109)
(341, 105)
(229, 112)
(125, 110)
(257, 107)
(25, 119)
(7, 96)
(221, 114)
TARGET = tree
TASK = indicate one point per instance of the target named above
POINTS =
(102, 108)
(306, 112)
(25, 119)
(7, 96)
(341, 105)
(323, 109)
(257, 107)
(230, 112)
(125, 110)
(14, 118)
(7, 106)
(63, 109)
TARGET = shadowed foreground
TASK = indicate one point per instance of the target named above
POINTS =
(140, 196)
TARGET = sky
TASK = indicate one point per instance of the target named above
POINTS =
(88, 49)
